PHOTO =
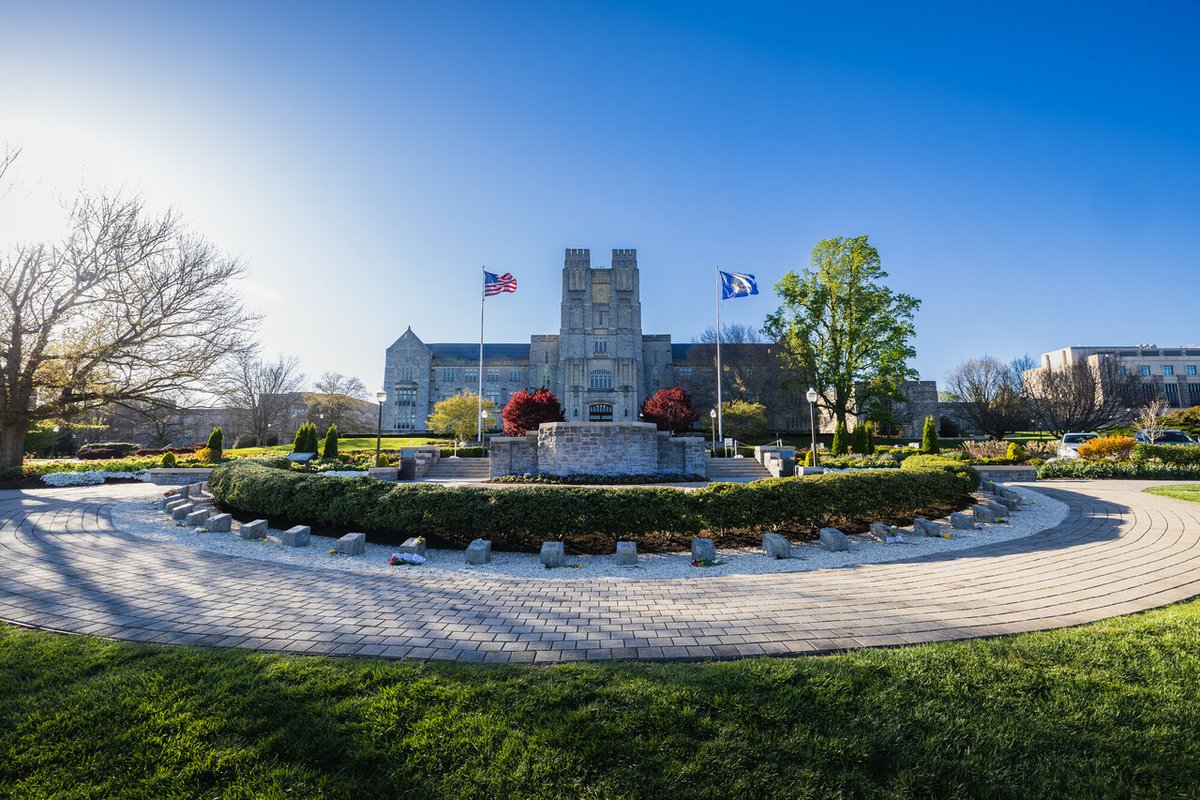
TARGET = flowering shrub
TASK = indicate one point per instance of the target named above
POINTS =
(91, 478)
(1107, 448)
(979, 451)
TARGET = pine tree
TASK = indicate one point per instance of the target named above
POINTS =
(331, 443)
(858, 439)
(839, 440)
(929, 438)
(869, 429)
(216, 445)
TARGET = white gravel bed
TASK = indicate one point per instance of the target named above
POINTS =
(1036, 514)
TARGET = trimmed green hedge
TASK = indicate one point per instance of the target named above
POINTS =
(1178, 454)
(1118, 469)
(589, 518)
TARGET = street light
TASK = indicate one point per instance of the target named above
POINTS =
(54, 444)
(812, 420)
(712, 414)
(380, 397)
(483, 416)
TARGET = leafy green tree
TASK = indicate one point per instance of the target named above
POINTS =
(1186, 420)
(841, 328)
(458, 415)
(216, 445)
(838, 448)
(744, 421)
(929, 437)
(330, 450)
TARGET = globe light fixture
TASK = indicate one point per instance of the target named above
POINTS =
(811, 394)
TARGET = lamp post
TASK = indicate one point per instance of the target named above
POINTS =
(380, 397)
(712, 415)
(54, 444)
(812, 420)
(483, 416)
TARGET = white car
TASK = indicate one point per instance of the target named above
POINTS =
(1068, 448)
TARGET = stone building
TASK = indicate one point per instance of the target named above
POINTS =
(600, 364)
(1170, 373)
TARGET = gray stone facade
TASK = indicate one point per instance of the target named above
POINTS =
(600, 364)
(583, 448)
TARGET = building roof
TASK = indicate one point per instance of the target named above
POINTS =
(471, 350)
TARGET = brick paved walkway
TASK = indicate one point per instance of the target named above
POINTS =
(63, 567)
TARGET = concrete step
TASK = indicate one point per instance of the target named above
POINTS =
(719, 468)
(452, 468)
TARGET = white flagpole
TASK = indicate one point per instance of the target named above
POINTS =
(720, 411)
(479, 411)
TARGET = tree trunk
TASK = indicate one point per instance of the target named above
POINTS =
(12, 445)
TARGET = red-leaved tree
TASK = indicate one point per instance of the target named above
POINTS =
(670, 409)
(526, 411)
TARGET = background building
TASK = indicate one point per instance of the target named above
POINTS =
(1171, 373)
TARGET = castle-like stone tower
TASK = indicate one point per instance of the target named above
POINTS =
(600, 338)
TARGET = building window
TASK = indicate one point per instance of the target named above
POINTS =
(492, 375)
(449, 374)
(601, 319)
(471, 374)
(1122, 371)
(495, 398)
(684, 372)
(1190, 369)
(601, 379)
(1149, 392)
(1194, 394)
(408, 373)
(600, 345)
(516, 375)
(600, 412)
(407, 420)
(1144, 371)
(406, 395)
(1172, 394)
(1168, 370)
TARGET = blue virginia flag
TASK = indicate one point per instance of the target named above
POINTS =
(737, 284)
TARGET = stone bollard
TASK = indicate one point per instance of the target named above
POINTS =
(1011, 495)
(184, 491)
(219, 523)
(1008, 502)
(961, 522)
(479, 551)
(195, 519)
(179, 512)
(925, 527)
(997, 508)
(834, 540)
(553, 554)
(298, 536)
(352, 544)
(881, 532)
(414, 545)
(176, 503)
(703, 550)
(626, 554)
(982, 513)
(776, 546)
(253, 530)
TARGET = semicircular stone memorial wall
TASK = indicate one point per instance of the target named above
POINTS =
(597, 448)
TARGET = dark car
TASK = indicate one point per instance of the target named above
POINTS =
(1163, 437)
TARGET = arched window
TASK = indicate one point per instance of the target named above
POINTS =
(600, 412)
(600, 379)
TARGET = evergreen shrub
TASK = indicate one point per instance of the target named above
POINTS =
(929, 438)
(838, 448)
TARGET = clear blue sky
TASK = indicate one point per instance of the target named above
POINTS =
(1031, 171)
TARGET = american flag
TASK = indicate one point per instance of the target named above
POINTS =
(494, 284)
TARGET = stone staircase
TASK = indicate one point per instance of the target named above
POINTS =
(459, 469)
(737, 470)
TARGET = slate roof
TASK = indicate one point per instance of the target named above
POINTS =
(471, 350)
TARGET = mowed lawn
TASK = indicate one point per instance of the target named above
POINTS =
(1107, 710)
(347, 444)
(1184, 492)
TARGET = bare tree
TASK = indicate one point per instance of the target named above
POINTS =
(1151, 419)
(129, 307)
(260, 391)
(752, 370)
(340, 399)
(162, 419)
(735, 333)
(989, 394)
(1084, 395)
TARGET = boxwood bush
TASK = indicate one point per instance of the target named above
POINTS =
(590, 519)
(1148, 470)
(1180, 454)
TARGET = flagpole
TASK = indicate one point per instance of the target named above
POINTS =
(482, 296)
(720, 411)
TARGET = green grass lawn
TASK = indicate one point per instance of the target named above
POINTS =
(352, 443)
(1186, 492)
(1107, 710)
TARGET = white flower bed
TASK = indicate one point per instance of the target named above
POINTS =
(92, 478)
(342, 473)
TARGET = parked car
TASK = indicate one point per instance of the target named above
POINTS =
(1068, 448)
(1163, 437)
